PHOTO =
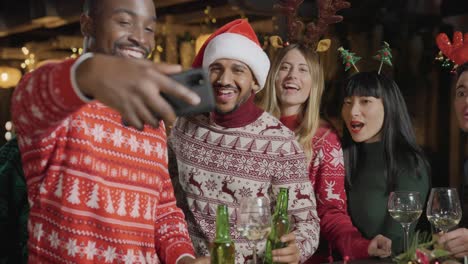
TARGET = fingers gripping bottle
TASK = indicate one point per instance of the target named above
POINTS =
(279, 225)
(223, 251)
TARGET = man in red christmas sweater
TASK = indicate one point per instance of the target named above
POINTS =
(240, 151)
(100, 191)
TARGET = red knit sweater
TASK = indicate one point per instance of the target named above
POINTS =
(99, 192)
(327, 173)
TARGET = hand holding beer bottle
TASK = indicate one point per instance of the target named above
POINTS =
(279, 226)
(223, 251)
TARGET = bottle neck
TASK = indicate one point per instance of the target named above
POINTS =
(222, 224)
(282, 202)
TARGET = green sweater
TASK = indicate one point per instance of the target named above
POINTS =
(14, 207)
(367, 196)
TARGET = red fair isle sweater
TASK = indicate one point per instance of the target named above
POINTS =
(99, 192)
(224, 158)
(327, 174)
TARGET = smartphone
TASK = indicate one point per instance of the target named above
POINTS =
(197, 80)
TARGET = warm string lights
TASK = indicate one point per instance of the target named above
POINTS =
(209, 18)
(29, 63)
(75, 52)
(9, 130)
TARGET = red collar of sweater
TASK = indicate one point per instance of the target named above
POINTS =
(247, 113)
(290, 122)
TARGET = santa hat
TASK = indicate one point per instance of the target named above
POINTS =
(235, 40)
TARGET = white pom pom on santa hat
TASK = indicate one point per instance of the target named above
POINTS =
(238, 41)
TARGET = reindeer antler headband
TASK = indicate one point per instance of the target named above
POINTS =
(456, 51)
(314, 30)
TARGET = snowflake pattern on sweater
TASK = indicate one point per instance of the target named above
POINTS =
(327, 174)
(99, 192)
(219, 165)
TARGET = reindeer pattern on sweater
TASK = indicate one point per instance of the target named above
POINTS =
(218, 165)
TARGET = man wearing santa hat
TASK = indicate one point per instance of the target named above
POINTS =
(240, 151)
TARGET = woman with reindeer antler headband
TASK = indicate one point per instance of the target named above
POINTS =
(293, 93)
(380, 150)
(456, 241)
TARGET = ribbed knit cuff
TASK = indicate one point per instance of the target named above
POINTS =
(75, 86)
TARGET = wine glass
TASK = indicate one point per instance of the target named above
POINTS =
(405, 208)
(253, 220)
(443, 209)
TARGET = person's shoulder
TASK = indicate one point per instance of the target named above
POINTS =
(268, 125)
(326, 134)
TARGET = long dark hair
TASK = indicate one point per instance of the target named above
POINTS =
(398, 136)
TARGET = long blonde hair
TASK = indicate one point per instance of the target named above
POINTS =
(310, 110)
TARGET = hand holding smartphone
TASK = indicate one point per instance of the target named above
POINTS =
(197, 80)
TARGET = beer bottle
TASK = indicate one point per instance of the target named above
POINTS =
(223, 251)
(279, 225)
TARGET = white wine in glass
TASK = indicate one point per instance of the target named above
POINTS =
(405, 208)
(253, 220)
(443, 209)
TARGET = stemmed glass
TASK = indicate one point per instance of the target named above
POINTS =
(405, 208)
(253, 220)
(443, 209)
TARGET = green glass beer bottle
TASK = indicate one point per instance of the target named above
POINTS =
(279, 225)
(223, 251)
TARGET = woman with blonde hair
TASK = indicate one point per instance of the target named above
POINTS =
(292, 93)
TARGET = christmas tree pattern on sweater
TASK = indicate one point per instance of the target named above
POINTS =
(219, 165)
(99, 192)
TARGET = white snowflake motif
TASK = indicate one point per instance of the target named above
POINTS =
(98, 133)
(159, 150)
(36, 112)
(28, 141)
(110, 254)
(29, 86)
(38, 232)
(72, 248)
(182, 228)
(90, 250)
(245, 164)
(147, 147)
(205, 156)
(337, 157)
(191, 151)
(125, 172)
(283, 170)
(43, 163)
(87, 160)
(224, 161)
(114, 172)
(163, 230)
(74, 160)
(54, 239)
(103, 167)
(266, 168)
(117, 138)
(130, 257)
(133, 142)
(19, 96)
